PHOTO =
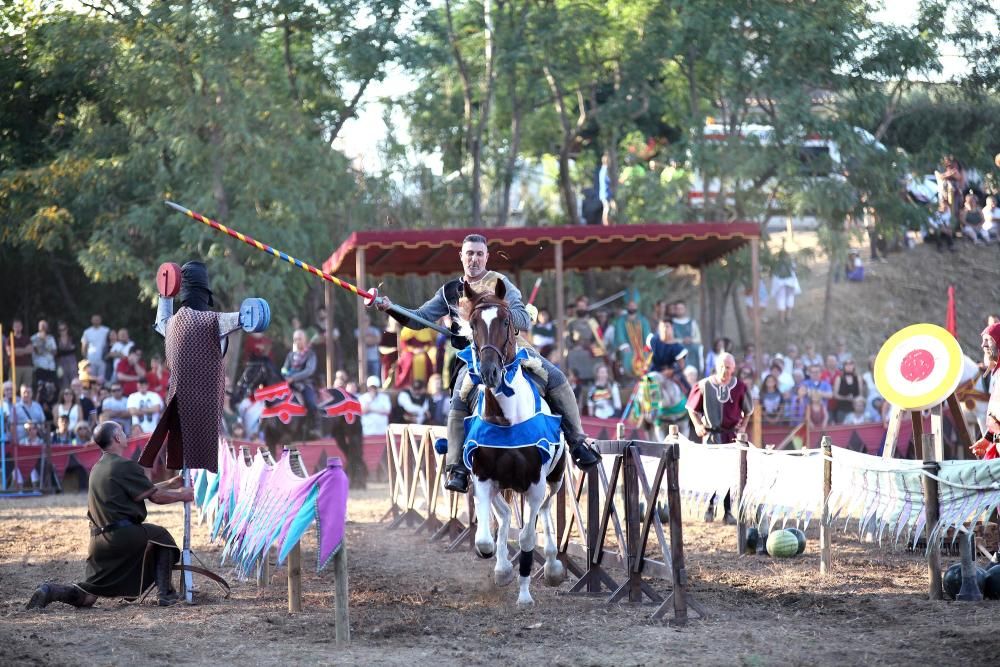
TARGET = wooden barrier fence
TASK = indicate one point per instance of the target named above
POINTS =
(588, 505)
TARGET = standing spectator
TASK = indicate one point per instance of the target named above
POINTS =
(158, 377)
(543, 333)
(771, 401)
(586, 341)
(720, 407)
(43, 358)
(65, 354)
(604, 400)
(94, 345)
(372, 337)
(605, 189)
(440, 401)
(120, 350)
(414, 405)
(109, 359)
(23, 351)
(843, 356)
(784, 284)
(145, 406)
(846, 388)
(376, 406)
(951, 183)
(115, 408)
(810, 357)
(631, 329)
(129, 370)
(27, 411)
(686, 329)
(68, 407)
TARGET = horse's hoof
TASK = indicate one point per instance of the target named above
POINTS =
(485, 554)
(503, 577)
(554, 575)
(524, 601)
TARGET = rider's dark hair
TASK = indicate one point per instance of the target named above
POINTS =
(474, 238)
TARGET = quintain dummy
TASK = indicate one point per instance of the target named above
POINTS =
(191, 420)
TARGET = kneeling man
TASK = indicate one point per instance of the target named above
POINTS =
(126, 556)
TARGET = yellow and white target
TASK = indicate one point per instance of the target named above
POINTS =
(920, 366)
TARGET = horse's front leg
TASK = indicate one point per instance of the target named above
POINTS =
(527, 539)
(503, 573)
(484, 492)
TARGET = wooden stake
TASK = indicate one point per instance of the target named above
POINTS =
(295, 579)
(741, 527)
(342, 618)
(932, 509)
(825, 536)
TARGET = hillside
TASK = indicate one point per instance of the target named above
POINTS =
(910, 287)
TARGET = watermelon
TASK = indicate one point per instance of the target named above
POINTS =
(801, 537)
(991, 586)
(782, 544)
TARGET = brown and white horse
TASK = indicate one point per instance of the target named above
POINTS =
(509, 410)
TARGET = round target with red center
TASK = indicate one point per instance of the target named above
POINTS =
(918, 367)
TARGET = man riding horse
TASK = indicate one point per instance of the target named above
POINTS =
(558, 394)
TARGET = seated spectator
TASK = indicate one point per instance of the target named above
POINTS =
(847, 387)
(27, 411)
(972, 220)
(816, 383)
(831, 369)
(239, 431)
(810, 356)
(991, 219)
(858, 415)
(782, 372)
(795, 407)
(855, 269)
(604, 399)
(881, 409)
(115, 408)
(440, 401)
(7, 410)
(376, 407)
(145, 406)
(816, 413)
(69, 407)
(543, 333)
(939, 228)
(413, 404)
(32, 434)
(88, 411)
(81, 435)
(129, 370)
(746, 376)
(771, 401)
(62, 435)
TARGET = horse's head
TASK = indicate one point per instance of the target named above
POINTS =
(493, 332)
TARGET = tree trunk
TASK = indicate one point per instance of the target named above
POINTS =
(741, 325)
(463, 72)
(828, 299)
(507, 178)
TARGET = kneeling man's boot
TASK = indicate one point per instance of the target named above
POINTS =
(562, 402)
(48, 593)
(167, 596)
(458, 474)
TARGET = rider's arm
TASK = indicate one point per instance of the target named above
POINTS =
(522, 320)
(433, 309)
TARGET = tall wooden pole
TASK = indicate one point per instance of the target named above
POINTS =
(560, 315)
(933, 513)
(342, 618)
(328, 334)
(825, 537)
(295, 579)
(755, 277)
(359, 268)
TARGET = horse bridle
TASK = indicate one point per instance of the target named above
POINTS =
(509, 341)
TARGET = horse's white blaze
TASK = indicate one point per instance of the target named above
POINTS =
(488, 315)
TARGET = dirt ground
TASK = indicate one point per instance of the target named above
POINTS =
(412, 603)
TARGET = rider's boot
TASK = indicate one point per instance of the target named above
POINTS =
(562, 402)
(458, 474)
(166, 594)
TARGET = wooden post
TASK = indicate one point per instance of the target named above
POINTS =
(342, 618)
(264, 571)
(917, 422)
(755, 277)
(328, 334)
(757, 425)
(676, 535)
(825, 535)
(932, 510)
(632, 521)
(937, 429)
(560, 314)
(593, 521)
(620, 431)
(741, 527)
(295, 579)
(359, 268)
(961, 429)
